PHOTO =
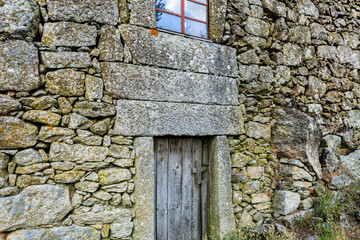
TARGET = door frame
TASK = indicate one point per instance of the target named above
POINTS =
(221, 219)
(182, 167)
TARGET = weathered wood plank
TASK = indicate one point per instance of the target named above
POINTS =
(187, 189)
(174, 188)
(162, 160)
(204, 190)
(196, 206)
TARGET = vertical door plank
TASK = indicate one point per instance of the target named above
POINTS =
(162, 159)
(196, 206)
(174, 189)
(187, 190)
(204, 190)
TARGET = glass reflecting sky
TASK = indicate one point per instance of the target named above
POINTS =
(168, 21)
(195, 10)
(195, 28)
(202, 1)
(169, 5)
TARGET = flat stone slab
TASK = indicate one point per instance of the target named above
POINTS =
(142, 13)
(19, 18)
(151, 83)
(145, 118)
(117, 215)
(292, 54)
(8, 104)
(62, 152)
(95, 109)
(18, 66)
(69, 34)
(296, 136)
(110, 45)
(65, 82)
(101, 11)
(351, 163)
(113, 175)
(353, 121)
(71, 232)
(177, 52)
(16, 133)
(34, 206)
(66, 59)
(285, 202)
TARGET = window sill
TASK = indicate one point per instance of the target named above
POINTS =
(184, 35)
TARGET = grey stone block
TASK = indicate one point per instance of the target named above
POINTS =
(176, 52)
(151, 83)
(144, 191)
(34, 206)
(69, 34)
(297, 136)
(121, 230)
(19, 18)
(217, 16)
(27, 157)
(110, 45)
(66, 59)
(65, 82)
(18, 66)
(142, 13)
(144, 118)
(353, 121)
(101, 11)
(60, 152)
(16, 133)
(8, 104)
(71, 232)
(351, 163)
(285, 202)
(117, 215)
(221, 212)
(292, 54)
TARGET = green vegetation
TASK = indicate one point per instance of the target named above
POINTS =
(333, 219)
(334, 212)
(251, 234)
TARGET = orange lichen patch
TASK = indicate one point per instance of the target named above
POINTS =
(154, 32)
(50, 127)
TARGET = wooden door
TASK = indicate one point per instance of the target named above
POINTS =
(181, 188)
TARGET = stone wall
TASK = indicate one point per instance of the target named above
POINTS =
(81, 80)
(63, 172)
(298, 79)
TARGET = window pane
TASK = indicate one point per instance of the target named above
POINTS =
(168, 21)
(169, 5)
(195, 28)
(195, 10)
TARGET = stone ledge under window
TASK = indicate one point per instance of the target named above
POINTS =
(176, 52)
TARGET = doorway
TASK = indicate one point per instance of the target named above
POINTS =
(181, 188)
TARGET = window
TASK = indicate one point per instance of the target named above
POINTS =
(184, 16)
